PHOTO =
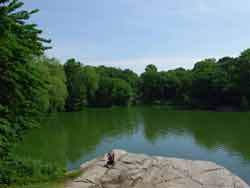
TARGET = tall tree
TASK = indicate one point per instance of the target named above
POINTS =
(19, 80)
(23, 92)
(75, 84)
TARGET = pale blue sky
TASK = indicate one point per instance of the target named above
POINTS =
(133, 33)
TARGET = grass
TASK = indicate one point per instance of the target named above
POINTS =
(40, 185)
(68, 176)
(72, 174)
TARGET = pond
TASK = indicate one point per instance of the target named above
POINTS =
(73, 138)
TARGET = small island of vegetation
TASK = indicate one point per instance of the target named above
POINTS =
(32, 85)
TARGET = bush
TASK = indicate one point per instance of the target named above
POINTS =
(23, 171)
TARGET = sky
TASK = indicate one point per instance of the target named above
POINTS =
(134, 33)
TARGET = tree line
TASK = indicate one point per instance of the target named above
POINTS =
(32, 85)
(212, 84)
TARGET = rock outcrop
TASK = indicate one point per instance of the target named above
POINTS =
(142, 171)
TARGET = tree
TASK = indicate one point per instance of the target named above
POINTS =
(19, 79)
(24, 93)
(91, 82)
(245, 55)
(171, 85)
(202, 86)
(121, 92)
(75, 85)
(103, 95)
(231, 95)
(132, 79)
(243, 72)
(82, 84)
(150, 84)
(53, 73)
(183, 93)
(151, 68)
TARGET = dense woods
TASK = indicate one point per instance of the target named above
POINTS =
(212, 84)
(98, 86)
(32, 85)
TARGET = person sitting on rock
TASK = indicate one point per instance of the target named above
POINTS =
(111, 159)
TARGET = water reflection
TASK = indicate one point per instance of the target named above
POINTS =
(72, 138)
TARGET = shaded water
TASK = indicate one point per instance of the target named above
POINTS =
(72, 138)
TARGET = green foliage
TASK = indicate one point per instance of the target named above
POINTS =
(23, 171)
(74, 85)
(121, 92)
(245, 56)
(210, 84)
(203, 90)
(56, 92)
(113, 91)
(40, 185)
(25, 86)
(98, 86)
(150, 86)
(151, 68)
(20, 85)
(103, 96)
(73, 174)
(91, 82)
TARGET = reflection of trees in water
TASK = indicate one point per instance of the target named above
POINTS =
(210, 129)
(69, 136)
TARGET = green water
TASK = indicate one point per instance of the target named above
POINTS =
(72, 138)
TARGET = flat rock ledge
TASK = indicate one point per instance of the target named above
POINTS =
(143, 171)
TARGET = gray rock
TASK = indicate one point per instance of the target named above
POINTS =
(142, 171)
